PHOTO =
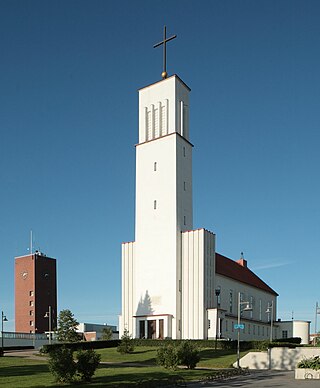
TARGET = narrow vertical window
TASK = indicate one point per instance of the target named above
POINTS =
(184, 220)
(184, 151)
(155, 166)
(154, 204)
(184, 186)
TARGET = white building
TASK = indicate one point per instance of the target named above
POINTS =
(170, 272)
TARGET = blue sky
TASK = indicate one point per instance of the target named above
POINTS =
(69, 74)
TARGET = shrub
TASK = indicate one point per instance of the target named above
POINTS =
(88, 362)
(188, 354)
(167, 356)
(126, 344)
(310, 363)
(62, 365)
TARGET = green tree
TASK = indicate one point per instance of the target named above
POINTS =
(126, 344)
(62, 365)
(67, 325)
(107, 333)
(87, 363)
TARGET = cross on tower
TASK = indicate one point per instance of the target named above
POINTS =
(164, 42)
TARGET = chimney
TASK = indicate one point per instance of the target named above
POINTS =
(242, 261)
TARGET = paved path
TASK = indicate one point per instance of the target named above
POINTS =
(262, 379)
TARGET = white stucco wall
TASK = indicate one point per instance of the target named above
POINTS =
(295, 328)
(126, 320)
(277, 358)
(257, 324)
(198, 269)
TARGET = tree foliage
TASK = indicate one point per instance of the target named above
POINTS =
(167, 356)
(62, 365)
(188, 354)
(126, 344)
(171, 355)
(67, 325)
(66, 370)
(107, 333)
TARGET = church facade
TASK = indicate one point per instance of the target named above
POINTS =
(174, 284)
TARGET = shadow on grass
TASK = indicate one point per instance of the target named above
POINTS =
(23, 370)
(147, 379)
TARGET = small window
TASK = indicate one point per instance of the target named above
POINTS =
(184, 151)
(30, 312)
(31, 323)
(184, 186)
(226, 325)
(232, 327)
(155, 166)
(154, 204)
(249, 328)
(209, 323)
(30, 293)
(31, 303)
(262, 330)
(254, 329)
(284, 333)
(184, 220)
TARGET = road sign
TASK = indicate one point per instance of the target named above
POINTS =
(239, 326)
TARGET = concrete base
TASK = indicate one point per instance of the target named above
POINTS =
(307, 374)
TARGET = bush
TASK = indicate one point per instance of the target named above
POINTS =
(188, 354)
(310, 363)
(167, 356)
(126, 345)
(62, 365)
(88, 362)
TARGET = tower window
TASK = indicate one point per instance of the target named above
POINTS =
(154, 204)
(155, 166)
(184, 186)
(31, 303)
(31, 323)
(30, 293)
(30, 312)
(184, 151)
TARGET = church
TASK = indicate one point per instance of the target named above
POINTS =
(174, 283)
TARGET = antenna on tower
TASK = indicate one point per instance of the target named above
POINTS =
(31, 242)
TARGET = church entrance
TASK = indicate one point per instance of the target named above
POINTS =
(161, 336)
(142, 329)
(152, 329)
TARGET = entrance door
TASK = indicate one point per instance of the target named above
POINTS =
(152, 329)
(160, 328)
(142, 329)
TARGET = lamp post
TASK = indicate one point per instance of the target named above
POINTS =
(217, 292)
(270, 311)
(48, 315)
(247, 308)
(3, 319)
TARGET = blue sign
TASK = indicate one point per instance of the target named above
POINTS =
(239, 326)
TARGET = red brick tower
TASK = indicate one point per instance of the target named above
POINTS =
(35, 291)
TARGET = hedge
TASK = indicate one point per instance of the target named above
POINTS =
(83, 345)
(221, 344)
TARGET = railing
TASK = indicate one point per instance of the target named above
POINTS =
(26, 336)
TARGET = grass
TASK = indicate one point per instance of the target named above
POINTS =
(16, 372)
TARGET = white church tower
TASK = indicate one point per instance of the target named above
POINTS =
(168, 271)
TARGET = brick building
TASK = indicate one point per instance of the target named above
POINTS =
(35, 292)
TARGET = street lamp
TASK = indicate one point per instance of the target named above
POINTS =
(3, 319)
(239, 326)
(217, 292)
(48, 315)
(270, 312)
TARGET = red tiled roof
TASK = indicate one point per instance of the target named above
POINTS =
(236, 271)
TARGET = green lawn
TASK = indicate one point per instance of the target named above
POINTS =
(16, 372)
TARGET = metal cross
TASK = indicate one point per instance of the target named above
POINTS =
(164, 42)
